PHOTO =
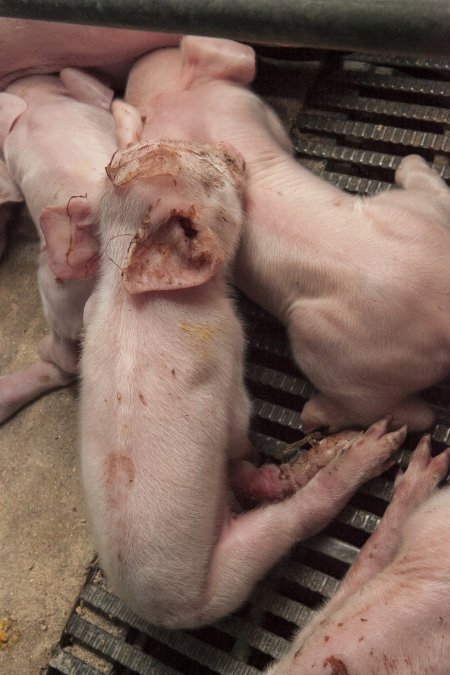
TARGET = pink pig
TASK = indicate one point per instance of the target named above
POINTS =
(28, 47)
(56, 149)
(391, 613)
(361, 284)
(163, 407)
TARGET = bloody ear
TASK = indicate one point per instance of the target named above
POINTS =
(72, 250)
(180, 254)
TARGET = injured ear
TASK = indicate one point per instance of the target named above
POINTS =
(180, 254)
(72, 249)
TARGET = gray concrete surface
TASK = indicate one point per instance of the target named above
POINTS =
(45, 547)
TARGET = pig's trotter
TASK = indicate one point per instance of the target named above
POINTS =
(414, 173)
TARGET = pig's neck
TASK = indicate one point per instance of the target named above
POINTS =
(140, 308)
(292, 219)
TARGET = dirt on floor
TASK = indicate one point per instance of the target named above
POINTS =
(45, 545)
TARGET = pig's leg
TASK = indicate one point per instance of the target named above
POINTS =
(18, 389)
(249, 545)
(411, 488)
(414, 173)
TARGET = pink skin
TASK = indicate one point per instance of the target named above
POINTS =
(55, 148)
(28, 47)
(391, 614)
(162, 356)
(360, 283)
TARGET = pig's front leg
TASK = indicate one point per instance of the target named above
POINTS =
(411, 488)
(414, 174)
(251, 543)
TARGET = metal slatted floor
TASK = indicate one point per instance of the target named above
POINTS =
(361, 116)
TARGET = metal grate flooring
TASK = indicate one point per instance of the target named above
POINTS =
(360, 117)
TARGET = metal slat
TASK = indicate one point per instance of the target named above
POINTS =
(332, 547)
(410, 85)
(68, 664)
(402, 61)
(255, 636)
(182, 642)
(307, 577)
(288, 384)
(278, 605)
(367, 158)
(374, 132)
(354, 103)
(277, 414)
(117, 650)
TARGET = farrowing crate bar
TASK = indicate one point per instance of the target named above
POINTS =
(359, 116)
(419, 27)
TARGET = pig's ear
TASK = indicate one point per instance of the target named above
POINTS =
(72, 249)
(86, 88)
(128, 122)
(181, 253)
(11, 107)
(218, 59)
(9, 192)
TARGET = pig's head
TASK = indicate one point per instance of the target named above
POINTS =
(180, 204)
(165, 72)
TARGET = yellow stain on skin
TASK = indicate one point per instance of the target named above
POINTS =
(200, 334)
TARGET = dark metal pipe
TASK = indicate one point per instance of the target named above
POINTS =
(416, 27)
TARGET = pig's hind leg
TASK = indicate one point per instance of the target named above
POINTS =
(251, 543)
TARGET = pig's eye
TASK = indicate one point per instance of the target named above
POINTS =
(189, 229)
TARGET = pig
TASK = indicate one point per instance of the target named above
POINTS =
(163, 408)
(30, 47)
(56, 149)
(360, 283)
(391, 613)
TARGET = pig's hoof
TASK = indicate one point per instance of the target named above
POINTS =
(423, 475)
(373, 451)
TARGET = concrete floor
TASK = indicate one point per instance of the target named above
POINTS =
(44, 538)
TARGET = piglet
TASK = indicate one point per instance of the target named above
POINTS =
(56, 149)
(391, 613)
(361, 284)
(163, 406)
(30, 47)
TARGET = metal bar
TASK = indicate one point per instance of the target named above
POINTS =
(394, 26)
